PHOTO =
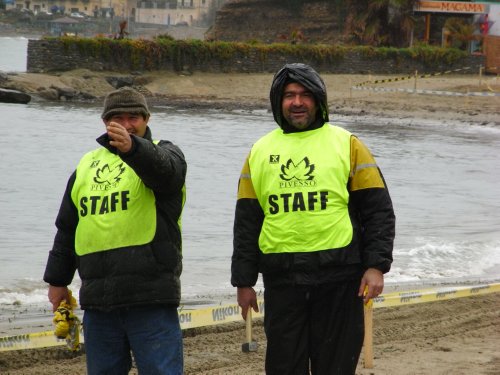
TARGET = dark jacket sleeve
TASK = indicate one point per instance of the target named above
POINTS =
(61, 264)
(248, 221)
(247, 225)
(370, 198)
(162, 167)
(378, 227)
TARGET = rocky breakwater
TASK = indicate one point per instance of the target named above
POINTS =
(14, 96)
(10, 95)
(77, 85)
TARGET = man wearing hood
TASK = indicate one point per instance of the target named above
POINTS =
(314, 216)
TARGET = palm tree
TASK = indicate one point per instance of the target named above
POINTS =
(381, 22)
(461, 32)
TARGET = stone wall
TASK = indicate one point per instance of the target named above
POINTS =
(52, 55)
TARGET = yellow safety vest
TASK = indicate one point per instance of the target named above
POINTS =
(300, 180)
(115, 208)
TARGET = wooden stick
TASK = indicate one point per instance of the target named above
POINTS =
(249, 325)
(368, 341)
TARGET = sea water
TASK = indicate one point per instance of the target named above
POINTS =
(13, 54)
(443, 179)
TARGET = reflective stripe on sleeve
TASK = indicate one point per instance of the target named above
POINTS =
(364, 171)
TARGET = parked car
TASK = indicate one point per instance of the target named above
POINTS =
(77, 15)
(43, 15)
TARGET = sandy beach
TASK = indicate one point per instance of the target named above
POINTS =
(459, 336)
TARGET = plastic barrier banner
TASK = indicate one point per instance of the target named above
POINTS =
(195, 318)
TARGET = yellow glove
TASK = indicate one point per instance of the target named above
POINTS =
(67, 324)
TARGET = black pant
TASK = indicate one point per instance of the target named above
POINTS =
(319, 325)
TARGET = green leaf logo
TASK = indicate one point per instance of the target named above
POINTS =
(106, 175)
(301, 171)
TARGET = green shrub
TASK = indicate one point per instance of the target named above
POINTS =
(151, 54)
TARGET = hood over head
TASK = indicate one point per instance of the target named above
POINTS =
(307, 77)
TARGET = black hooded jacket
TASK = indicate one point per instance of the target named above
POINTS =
(370, 210)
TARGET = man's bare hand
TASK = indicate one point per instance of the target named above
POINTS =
(373, 283)
(57, 294)
(247, 298)
(120, 138)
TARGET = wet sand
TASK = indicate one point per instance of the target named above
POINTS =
(459, 337)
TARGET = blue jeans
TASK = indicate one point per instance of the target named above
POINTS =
(152, 333)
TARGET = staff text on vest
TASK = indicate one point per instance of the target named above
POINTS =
(100, 205)
(298, 201)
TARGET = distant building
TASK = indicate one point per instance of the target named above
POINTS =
(161, 12)
(62, 7)
(65, 26)
(165, 12)
(9, 4)
(494, 19)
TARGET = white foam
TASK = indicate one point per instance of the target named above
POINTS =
(432, 259)
(29, 291)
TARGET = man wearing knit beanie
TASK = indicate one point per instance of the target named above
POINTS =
(125, 99)
(119, 226)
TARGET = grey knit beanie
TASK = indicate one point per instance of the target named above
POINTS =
(124, 100)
